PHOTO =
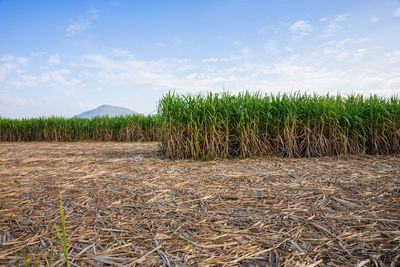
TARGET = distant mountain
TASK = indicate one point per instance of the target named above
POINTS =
(106, 110)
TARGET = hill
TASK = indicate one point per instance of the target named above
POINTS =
(106, 110)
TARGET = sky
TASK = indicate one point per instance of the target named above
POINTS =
(60, 58)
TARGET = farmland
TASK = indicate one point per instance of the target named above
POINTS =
(213, 180)
(126, 204)
(244, 125)
(221, 133)
(123, 128)
(296, 125)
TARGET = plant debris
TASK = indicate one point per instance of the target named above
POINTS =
(331, 211)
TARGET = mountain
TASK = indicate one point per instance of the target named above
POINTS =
(106, 110)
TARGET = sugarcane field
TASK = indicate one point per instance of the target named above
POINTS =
(207, 133)
(246, 180)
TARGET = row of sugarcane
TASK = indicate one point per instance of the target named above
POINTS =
(294, 125)
(245, 125)
(124, 128)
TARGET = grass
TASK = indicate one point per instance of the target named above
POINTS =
(63, 239)
(123, 128)
(295, 125)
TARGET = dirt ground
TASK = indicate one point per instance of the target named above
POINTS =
(126, 205)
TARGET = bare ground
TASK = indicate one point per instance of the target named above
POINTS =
(126, 205)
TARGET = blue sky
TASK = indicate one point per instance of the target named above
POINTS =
(64, 57)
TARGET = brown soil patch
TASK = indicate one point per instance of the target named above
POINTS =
(125, 205)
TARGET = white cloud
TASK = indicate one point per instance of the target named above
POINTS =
(49, 99)
(121, 53)
(161, 44)
(178, 41)
(323, 19)
(301, 27)
(347, 50)
(289, 49)
(19, 60)
(10, 100)
(342, 56)
(84, 22)
(110, 71)
(55, 59)
(332, 65)
(6, 58)
(38, 54)
(57, 75)
(62, 80)
(19, 71)
(22, 61)
(374, 19)
(269, 29)
(84, 106)
(396, 12)
(76, 27)
(393, 56)
(334, 24)
(360, 52)
(270, 48)
(244, 53)
(5, 70)
(344, 42)
(24, 81)
(222, 59)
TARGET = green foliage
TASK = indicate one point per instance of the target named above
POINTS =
(63, 239)
(244, 125)
(123, 128)
(51, 253)
(26, 258)
(296, 125)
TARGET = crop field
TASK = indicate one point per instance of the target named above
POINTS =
(243, 125)
(124, 128)
(126, 204)
(295, 180)
(296, 125)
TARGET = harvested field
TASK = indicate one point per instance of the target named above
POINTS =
(126, 205)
